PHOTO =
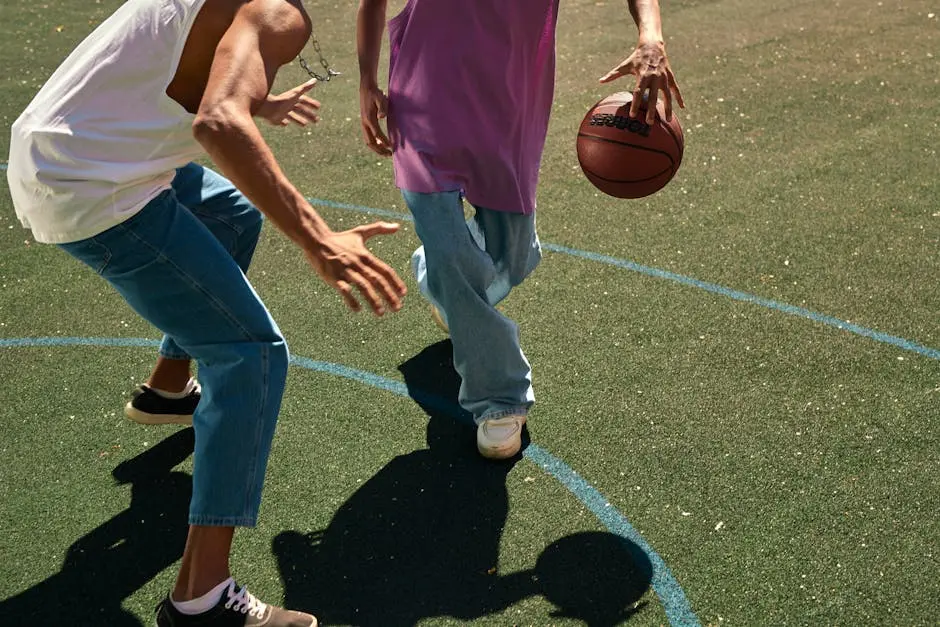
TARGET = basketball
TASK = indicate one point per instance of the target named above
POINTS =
(625, 157)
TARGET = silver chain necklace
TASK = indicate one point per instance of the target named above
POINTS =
(330, 72)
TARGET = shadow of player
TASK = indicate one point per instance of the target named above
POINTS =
(116, 559)
(421, 538)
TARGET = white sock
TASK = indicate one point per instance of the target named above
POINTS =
(190, 386)
(204, 603)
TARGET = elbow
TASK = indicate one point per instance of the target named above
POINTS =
(214, 122)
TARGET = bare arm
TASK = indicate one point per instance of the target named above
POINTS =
(370, 26)
(238, 86)
(373, 105)
(264, 35)
(646, 16)
(648, 62)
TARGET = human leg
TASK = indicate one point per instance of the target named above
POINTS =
(458, 275)
(511, 242)
(171, 394)
(173, 271)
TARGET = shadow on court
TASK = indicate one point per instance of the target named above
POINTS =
(421, 538)
(116, 559)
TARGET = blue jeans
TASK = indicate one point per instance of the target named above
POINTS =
(180, 264)
(464, 268)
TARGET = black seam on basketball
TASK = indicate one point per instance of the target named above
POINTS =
(672, 161)
(649, 178)
(604, 178)
(680, 145)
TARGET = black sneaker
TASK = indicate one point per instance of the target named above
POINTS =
(149, 408)
(234, 609)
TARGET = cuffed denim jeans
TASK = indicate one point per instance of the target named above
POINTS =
(465, 268)
(180, 263)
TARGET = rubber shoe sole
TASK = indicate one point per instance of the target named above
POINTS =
(149, 408)
(144, 418)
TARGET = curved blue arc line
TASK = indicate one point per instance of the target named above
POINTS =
(831, 321)
(842, 325)
(670, 593)
(385, 213)
(677, 608)
(32, 342)
(750, 298)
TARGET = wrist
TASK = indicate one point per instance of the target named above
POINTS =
(308, 230)
(651, 38)
(313, 232)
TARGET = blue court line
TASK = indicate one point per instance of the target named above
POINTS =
(714, 288)
(676, 606)
(842, 325)
(664, 584)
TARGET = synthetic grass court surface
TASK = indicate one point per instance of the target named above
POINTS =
(784, 470)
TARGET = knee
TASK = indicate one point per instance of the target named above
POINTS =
(441, 253)
(518, 272)
(452, 265)
(457, 254)
(263, 349)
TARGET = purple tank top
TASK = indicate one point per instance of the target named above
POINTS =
(470, 93)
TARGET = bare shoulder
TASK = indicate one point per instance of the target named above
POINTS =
(277, 17)
(282, 26)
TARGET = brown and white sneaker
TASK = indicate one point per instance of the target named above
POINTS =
(234, 609)
(500, 438)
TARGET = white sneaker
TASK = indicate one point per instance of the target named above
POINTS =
(500, 438)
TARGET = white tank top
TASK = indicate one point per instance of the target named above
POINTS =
(101, 138)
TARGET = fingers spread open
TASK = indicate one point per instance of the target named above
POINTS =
(367, 290)
(656, 84)
(296, 118)
(667, 103)
(346, 292)
(392, 287)
(637, 99)
(306, 86)
(674, 88)
(308, 102)
(612, 75)
(376, 228)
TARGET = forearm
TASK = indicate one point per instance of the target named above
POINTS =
(370, 25)
(236, 146)
(647, 18)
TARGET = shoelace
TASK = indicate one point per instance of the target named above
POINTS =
(244, 602)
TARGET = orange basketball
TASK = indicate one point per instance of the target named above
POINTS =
(626, 157)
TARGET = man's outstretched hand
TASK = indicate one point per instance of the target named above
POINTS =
(344, 262)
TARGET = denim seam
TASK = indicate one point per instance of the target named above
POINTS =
(223, 521)
(260, 424)
(193, 283)
(107, 255)
(172, 355)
